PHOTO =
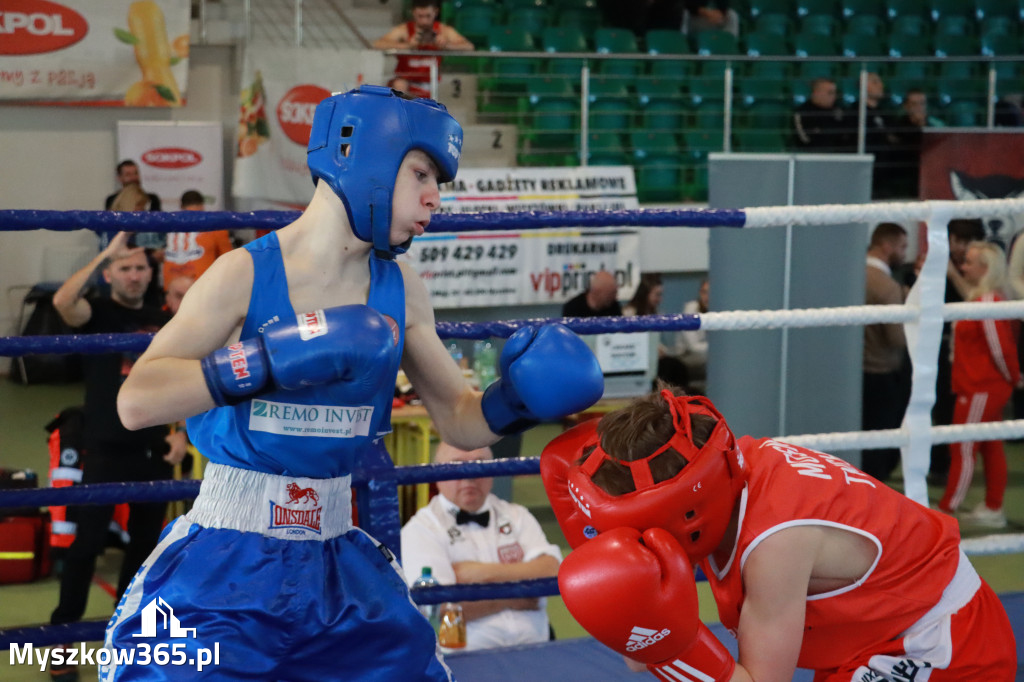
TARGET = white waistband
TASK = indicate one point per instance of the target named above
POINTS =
(960, 590)
(282, 507)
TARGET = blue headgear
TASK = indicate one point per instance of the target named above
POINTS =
(359, 140)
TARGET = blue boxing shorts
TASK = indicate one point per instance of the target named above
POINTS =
(267, 579)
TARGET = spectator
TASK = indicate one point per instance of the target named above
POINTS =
(961, 232)
(819, 124)
(645, 302)
(466, 534)
(176, 289)
(908, 129)
(702, 15)
(886, 387)
(423, 32)
(692, 345)
(189, 254)
(985, 372)
(400, 84)
(128, 175)
(812, 563)
(112, 453)
(647, 297)
(880, 139)
(598, 300)
(131, 197)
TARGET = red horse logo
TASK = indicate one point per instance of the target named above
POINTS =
(297, 494)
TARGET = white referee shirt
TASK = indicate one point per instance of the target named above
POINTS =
(432, 538)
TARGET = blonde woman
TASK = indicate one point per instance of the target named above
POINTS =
(985, 371)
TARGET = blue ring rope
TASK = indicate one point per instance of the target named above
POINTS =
(204, 221)
(15, 346)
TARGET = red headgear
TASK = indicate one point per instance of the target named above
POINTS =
(695, 505)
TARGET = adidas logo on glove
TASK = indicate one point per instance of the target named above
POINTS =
(641, 638)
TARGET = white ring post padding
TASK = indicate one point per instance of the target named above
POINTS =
(923, 341)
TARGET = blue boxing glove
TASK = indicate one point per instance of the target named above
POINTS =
(546, 374)
(351, 344)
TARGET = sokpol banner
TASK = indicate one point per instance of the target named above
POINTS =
(279, 92)
(110, 53)
(174, 157)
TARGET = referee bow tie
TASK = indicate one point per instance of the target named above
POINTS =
(481, 519)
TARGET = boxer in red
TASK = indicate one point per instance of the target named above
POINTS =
(812, 563)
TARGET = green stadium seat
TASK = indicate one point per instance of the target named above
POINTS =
(905, 45)
(516, 5)
(588, 20)
(617, 41)
(760, 141)
(903, 8)
(606, 149)
(661, 105)
(564, 39)
(956, 25)
(760, 44)
(610, 104)
(808, 7)
(867, 24)
(952, 45)
(959, 81)
(964, 114)
(983, 9)
(668, 42)
(871, 8)
(716, 41)
(551, 111)
(947, 8)
(815, 45)
(821, 24)
(996, 25)
(911, 25)
(475, 21)
(659, 173)
(759, 7)
(531, 19)
(782, 24)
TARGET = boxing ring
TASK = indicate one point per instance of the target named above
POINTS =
(376, 483)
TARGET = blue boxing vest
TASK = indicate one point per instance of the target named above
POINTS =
(315, 432)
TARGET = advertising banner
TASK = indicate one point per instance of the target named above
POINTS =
(131, 53)
(478, 190)
(280, 90)
(476, 269)
(976, 164)
(174, 157)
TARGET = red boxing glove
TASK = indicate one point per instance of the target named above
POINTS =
(637, 595)
(555, 460)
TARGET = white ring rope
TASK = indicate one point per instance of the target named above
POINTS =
(922, 316)
(838, 214)
(853, 315)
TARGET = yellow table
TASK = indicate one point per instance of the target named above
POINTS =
(409, 443)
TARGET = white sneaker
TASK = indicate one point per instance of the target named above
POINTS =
(985, 517)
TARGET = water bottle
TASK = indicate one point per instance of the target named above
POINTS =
(452, 633)
(456, 353)
(485, 363)
(429, 611)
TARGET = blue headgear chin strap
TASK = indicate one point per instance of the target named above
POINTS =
(358, 142)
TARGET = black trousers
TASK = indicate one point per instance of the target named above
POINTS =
(109, 464)
(883, 402)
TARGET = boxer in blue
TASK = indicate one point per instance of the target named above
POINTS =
(283, 357)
